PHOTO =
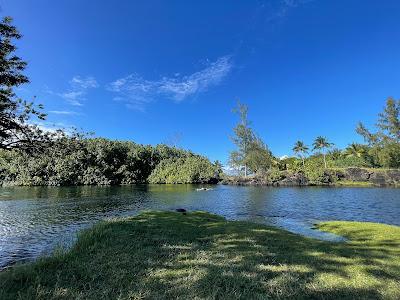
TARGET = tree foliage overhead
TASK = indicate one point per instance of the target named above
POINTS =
(15, 131)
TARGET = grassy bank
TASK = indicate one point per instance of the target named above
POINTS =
(199, 255)
(350, 183)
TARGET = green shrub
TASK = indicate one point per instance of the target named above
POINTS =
(349, 161)
(315, 171)
(98, 161)
(274, 175)
(193, 169)
(389, 155)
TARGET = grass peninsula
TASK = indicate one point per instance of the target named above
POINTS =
(169, 255)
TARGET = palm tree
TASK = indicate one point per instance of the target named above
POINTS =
(335, 154)
(355, 150)
(300, 149)
(321, 144)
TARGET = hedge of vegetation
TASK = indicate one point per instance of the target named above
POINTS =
(184, 170)
(98, 161)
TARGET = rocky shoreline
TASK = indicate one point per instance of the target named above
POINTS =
(331, 177)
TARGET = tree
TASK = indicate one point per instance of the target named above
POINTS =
(384, 143)
(322, 144)
(389, 122)
(389, 155)
(355, 150)
(369, 137)
(300, 149)
(259, 157)
(243, 136)
(15, 130)
(388, 125)
(252, 153)
(335, 154)
(219, 168)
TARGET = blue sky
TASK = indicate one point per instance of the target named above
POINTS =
(150, 71)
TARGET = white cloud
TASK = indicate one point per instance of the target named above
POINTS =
(64, 112)
(84, 83)
(77, 92)
(74, 97)
(136, 91)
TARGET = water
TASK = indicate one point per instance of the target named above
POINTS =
(34, 220)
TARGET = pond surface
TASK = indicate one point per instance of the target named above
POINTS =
(34, 220)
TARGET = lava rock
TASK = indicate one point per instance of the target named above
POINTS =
(379, 178)
(297, 179)
(393, 176)
(357, 174)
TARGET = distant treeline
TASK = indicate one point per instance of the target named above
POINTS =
(76, 160)
(380, 150)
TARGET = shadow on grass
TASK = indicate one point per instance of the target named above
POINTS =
(159, 255)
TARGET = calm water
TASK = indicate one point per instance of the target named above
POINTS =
(36, 219)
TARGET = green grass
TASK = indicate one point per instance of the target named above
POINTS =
(161, 255)
(354, 183)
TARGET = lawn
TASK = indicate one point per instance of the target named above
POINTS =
(161, 255)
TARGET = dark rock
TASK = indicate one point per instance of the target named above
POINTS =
(340, 175)
(379, 178)
(393, 176)
(357, 174)
(182, 210)
(297, 179)
(213, 180)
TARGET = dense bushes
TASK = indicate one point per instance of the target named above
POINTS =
(193, 169)
(97, 161)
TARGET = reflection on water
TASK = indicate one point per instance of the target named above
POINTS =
(33, 220)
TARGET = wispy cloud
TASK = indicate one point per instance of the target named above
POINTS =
(84, 83)
(64, 112)
(74, 97)
(271, 11)
(136, 91)
(77, 92)
(287, 5)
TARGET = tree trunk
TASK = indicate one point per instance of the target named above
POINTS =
(325, 160)
(245, 170)
(303, 162)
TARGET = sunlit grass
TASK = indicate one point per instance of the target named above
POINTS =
(159, 255)
(350, 183)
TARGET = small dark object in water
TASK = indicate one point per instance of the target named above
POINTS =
(204, 189)
(181, 210)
